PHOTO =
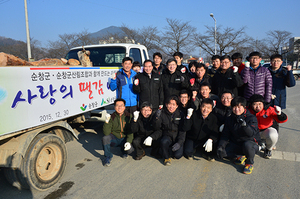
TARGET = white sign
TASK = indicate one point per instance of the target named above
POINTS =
(31, 96)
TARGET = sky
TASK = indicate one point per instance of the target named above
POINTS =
(50, 18)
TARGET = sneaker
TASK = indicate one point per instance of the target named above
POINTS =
(263, 147)
(267, 154)
(240, 160)
(141, 156)
(190, 157)
(274, 148)
(107, 161)
(125, 156)
(167, 162)
(248, 168)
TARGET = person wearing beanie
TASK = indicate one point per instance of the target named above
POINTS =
(240, 137)
(266, 115)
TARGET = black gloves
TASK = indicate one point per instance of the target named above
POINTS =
(221, 153)
(175, 147)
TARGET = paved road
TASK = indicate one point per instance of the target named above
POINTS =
(85, 177)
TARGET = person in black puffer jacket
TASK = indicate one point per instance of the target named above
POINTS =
(226, 78)
(223, 109)
(202, 131)
(142, 127)
(240, 138)
(171, 134)
(173, 80)
(149, 86)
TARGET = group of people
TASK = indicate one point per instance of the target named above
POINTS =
(230, 110)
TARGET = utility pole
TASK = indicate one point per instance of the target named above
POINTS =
(212, 15)
(27, 32)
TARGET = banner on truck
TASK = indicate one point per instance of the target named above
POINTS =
(31, 96)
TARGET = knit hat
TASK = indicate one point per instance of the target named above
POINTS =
(256, 98)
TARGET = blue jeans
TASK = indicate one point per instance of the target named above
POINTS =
(111, 141)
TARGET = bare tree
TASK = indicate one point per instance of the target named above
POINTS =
(177, 37)
(149, 37)
(130, 33)
(59, 48)
(276, 39)
(228, 40)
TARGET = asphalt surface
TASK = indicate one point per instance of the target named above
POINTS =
(86, 177)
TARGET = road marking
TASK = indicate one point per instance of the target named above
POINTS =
(282, 155)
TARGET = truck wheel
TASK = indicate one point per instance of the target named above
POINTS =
(44, 162)
(11, 176)
(296, 77)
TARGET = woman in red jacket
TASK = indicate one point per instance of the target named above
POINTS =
(266, 115)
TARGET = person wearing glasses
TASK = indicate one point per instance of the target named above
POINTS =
(224, 109)
(282, 77)
(226, 78)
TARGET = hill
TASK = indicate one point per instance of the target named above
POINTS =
(111, 30)
(9, 42)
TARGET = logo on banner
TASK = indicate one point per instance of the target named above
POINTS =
(83, 107)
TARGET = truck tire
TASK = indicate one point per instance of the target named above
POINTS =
(11, 176)
(44, 162)
(296, 77)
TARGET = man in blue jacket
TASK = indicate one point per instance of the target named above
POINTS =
(122, 81)
(282, 77)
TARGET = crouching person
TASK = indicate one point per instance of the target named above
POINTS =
(240, 136)
(266, 115)
(116, 131)
(171, 134)
(201, 130)
(142, 125)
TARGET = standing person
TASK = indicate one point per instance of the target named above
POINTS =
(240, 136)
(185, 103)
(192, 68)
(215, 65)
(204, 92)
(136, 66)
(266, 115)
(142, 126)
(122, 81)
(223, 109)
(226, 78)
(171, 133)
(178, 56)
(158, 65)
(257, 79)
(282, 78)
(237, 60)
(201, 76)
(116, 130)
(149, 86)
(201, 131)
(173, 80)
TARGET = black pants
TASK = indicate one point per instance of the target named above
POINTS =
(247, 148)
(138, 144)
(190, 145)
(166, 148)
(131, 109)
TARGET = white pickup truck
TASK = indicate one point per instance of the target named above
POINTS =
(38, 103)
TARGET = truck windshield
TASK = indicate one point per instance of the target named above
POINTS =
(102, 56)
